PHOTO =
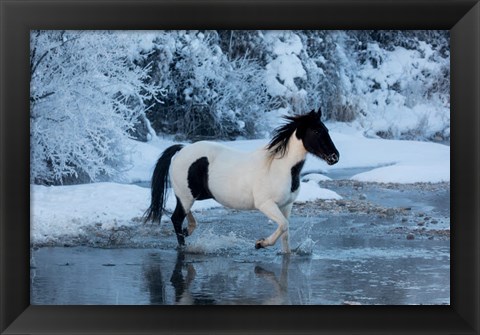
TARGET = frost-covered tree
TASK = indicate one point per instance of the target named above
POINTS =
(316, 59)
(208, 94)
(86, 94)
(330, 67)
(238, 44)
(403, 80)
(284, 73)
(223, 84)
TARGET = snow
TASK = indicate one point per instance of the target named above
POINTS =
(315, 177)
(68, 210)
(284, 42)
(406, 110)
(282, 71)
(143, 157)
(393, 161)
(310, 191)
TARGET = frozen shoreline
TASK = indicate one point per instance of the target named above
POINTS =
(419, 209)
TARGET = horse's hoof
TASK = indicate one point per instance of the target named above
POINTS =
(258, 270)
(180, 239)
(259, 244)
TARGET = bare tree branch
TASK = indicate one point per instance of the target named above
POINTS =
(36, 98)
(35, 66)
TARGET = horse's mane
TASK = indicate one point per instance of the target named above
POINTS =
(279, 142)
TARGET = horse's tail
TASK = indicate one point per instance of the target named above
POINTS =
(160, 184)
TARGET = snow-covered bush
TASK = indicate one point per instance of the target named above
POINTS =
(238, 44)
(320, 70)
(208, 94)
(86, 94)
(284, 72)
(344, 102)
(404, 92)
(225, 84)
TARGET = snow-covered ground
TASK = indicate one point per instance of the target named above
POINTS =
(65, 210)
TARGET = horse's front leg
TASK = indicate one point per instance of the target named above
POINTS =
(286, 210)
(271, 210)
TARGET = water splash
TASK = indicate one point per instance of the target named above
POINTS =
(303, 234)
(306, 247)
(208, 242)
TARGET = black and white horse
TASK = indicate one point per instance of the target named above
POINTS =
(267, 179)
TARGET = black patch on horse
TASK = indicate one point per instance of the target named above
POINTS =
(198, 179)
(296, 175)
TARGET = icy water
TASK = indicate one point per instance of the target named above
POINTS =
(380, 244)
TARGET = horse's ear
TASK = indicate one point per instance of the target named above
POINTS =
(319, 113)
(312, 113)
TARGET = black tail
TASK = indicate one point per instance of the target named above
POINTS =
(160, 184)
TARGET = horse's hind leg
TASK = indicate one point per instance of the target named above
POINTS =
(192, 224)
(177, 219)
(182, 210)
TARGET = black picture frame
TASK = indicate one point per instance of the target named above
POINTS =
(17, 17)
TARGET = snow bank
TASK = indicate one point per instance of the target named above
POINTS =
(67, 210)
(392, 161)
(310, 191)
(143, 158)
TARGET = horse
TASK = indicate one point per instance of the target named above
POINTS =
(267, 179)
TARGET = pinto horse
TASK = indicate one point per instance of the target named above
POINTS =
(267, 179)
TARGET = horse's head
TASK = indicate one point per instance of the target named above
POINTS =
(315, 137)
(311, 131)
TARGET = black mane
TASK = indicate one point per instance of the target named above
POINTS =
(281, 135)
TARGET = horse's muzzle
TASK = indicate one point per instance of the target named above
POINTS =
(332, 159)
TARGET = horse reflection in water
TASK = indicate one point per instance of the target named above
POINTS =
(280, 284)
(182, 283)
(156, 286)
(267, 179)
(184, 276)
